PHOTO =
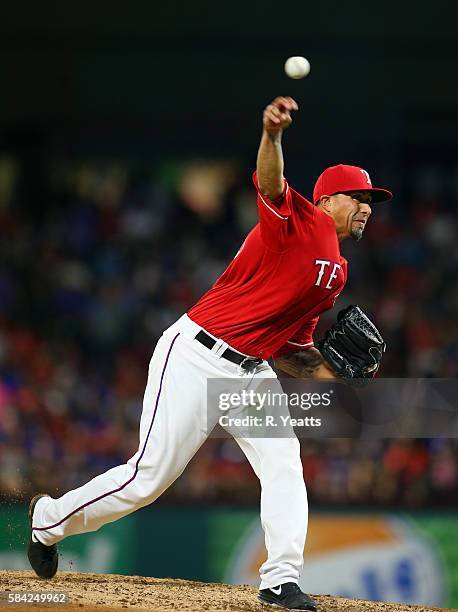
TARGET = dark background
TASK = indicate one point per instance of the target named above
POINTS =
(150, 78)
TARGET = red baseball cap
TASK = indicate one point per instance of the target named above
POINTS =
(342, 178)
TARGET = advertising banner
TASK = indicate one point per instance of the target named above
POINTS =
(380, 556)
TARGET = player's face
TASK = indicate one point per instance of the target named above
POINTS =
(351, 212)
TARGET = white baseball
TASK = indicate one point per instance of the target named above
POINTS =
(297, 67)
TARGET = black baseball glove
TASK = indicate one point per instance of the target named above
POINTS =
(353, 346)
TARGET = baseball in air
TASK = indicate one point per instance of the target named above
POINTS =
(297, 67)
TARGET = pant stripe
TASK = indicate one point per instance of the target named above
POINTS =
(92, 501)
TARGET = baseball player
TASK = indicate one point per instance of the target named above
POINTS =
(266, 304)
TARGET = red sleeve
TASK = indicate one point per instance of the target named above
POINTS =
(274, 216)
(302, 340)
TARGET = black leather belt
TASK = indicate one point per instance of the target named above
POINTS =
(247, 363)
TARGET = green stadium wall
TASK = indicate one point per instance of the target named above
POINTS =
(409, 557)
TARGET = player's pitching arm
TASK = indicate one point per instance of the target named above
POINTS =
(269, 167)
(305, 364)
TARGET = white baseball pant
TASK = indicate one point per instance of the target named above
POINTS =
(172, 428)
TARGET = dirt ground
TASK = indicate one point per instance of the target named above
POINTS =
(106, 593)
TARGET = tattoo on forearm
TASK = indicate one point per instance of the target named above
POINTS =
(300, 365)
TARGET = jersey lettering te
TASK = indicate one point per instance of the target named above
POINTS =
(287, 272)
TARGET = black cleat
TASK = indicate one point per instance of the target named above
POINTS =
(43, 559)
(289, 596)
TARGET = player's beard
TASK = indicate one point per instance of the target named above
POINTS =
(356, 233)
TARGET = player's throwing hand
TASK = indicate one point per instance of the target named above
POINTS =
(277, 116)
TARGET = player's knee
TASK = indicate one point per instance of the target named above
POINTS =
(143, 489)
(286, 457)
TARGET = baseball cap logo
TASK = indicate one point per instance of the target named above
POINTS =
(368, 178)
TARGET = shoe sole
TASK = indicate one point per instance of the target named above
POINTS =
(33, 503)
(274, 605)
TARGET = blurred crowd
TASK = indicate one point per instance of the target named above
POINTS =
(99, 257)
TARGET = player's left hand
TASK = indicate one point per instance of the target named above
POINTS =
(353, 346)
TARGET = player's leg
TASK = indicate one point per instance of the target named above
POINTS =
(172, 428)
(284, 506)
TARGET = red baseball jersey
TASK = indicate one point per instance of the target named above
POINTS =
(287, 272)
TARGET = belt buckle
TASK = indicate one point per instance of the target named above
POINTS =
(244, 364)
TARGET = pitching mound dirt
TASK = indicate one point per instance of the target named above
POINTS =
(104, 593)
